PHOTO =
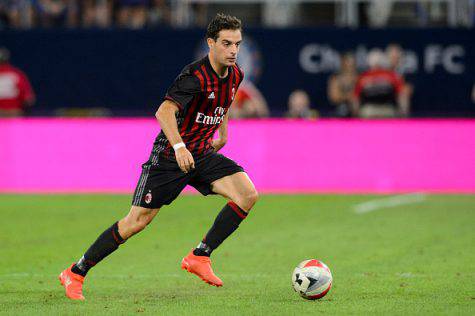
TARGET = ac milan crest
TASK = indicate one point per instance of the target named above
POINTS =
(148, 197)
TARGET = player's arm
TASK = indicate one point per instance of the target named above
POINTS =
(219, 142)
(167, 120)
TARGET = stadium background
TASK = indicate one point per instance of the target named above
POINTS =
(73, 68)
(98, 85)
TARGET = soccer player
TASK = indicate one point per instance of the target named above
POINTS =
(195, 106)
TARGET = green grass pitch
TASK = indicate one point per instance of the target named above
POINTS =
(416, 258)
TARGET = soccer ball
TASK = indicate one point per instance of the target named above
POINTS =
(312, 279)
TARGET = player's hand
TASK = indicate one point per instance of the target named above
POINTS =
(184, 159)
(218, 144)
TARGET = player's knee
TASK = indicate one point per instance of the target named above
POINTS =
(248, 200)
(252, 197)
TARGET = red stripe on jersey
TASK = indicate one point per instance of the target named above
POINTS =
(238, 73)
(210, 83)
(204, 132)
(206, 143)
(236, 78)
(195, 129)
(190, 113)
(203, 68)
(230, 89)
(223, 98)
(200, 77)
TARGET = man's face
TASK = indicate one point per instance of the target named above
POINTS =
(394, 55)
(226, 47)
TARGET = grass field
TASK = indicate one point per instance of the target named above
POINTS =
(417, 258)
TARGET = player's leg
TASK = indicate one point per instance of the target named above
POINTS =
(137, 219)
(158, 185)
(72, 278)
(222, 176)
(240, 190)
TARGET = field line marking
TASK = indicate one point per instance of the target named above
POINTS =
(388, 202)
(123, 276)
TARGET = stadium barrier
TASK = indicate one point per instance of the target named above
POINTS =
(281, 156)
(129, 70)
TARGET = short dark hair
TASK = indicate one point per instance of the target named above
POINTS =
(222, 22)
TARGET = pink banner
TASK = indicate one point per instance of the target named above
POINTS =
(295, 156)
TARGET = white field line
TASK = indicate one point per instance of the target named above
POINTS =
(21, 275)
(388, 202)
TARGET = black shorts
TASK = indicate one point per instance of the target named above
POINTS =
(162, 182)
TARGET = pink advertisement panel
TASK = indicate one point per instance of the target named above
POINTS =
(281, 156)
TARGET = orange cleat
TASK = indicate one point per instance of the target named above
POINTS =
(72, 283)
(201, 266)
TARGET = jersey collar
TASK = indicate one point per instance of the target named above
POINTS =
(221, 79)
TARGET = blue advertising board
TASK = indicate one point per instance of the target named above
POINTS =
(129, 71)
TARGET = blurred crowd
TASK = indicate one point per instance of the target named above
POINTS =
(134, 14)
(380, 91)
(25, 14)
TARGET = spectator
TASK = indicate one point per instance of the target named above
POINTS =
(4, 16)
(299, 105)
(378, 91)
(20, 13)
(200, 14)
(132, 13)
(135, 14)
(249, 102)
(16, 93)
(341, 85)
(395, 56)
(159, 13)
(52, 13)
(97, 13)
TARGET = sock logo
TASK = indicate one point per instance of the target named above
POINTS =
(148, 197)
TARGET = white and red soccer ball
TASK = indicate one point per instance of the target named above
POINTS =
(312, 279)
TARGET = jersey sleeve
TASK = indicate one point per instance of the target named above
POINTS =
(183, 89)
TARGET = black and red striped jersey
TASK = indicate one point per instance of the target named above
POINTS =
(203, 99)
